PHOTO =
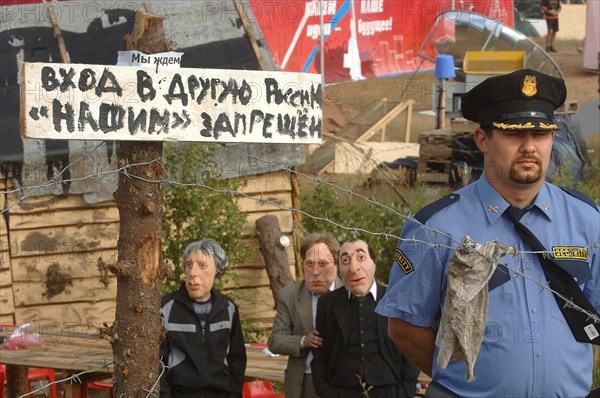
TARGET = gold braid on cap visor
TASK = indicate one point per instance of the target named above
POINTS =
(524, 126)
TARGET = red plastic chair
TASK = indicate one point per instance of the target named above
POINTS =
(96, 385)
(259, 389)
(43, 373)
(32, 374)
(2, 379)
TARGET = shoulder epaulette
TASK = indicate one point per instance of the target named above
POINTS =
(426, 212)
(581, 196)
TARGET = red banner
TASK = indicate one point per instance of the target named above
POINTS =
(362, 38)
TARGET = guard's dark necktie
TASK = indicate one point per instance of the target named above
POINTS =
(583, 328)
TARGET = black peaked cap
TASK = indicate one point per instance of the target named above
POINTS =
(521, 100)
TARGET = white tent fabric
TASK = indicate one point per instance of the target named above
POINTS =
(592, 36)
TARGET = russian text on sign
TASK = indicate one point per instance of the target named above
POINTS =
(97, 102)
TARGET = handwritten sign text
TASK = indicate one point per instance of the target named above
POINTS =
(97, 102)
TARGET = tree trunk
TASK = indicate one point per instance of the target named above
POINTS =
(276, 259)
(136, 333)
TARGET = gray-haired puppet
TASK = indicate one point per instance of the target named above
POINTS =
(204, 349)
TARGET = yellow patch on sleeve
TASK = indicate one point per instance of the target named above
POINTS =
(403, 262)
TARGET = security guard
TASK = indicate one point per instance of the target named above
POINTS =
(530, 346)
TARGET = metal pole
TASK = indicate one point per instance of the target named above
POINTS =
(441, 105)
(322, 39)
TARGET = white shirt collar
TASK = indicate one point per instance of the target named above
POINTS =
(332, 287)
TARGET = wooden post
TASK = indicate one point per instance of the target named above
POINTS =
(255, 36)
(297, 222)
(64, 55)
(276, 259)
(408, 121)
(441, 108)
(136, 333)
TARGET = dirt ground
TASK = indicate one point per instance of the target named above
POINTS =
(344, 100)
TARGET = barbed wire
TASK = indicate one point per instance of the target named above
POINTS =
(72, 378)
(517, 272)
(152, 391)
(125, 170)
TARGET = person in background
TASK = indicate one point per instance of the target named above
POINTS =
(551, 8)
(533, 345)
(357, 358)
(294, 332)
(204, 348)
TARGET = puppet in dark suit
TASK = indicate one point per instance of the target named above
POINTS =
(357, 355)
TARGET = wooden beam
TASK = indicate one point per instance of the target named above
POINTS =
(64, 55)
(408, 121)
(384, 120)
(276, 260)
(255, 36)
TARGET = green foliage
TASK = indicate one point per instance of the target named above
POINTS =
(353, 212)
(278, 387)
(589, 186)
(254, 332)
(563, 177)
(195, 209)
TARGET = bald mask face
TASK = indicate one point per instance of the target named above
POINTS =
(357, 268)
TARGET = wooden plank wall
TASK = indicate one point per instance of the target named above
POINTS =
(7, 303)
(54, 269)
(250, 288)
(60, 251)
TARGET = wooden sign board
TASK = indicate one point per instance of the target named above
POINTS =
(99, 102)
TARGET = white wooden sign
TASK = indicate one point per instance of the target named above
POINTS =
(99, 102)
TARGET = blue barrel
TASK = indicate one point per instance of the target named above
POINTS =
(444, 66)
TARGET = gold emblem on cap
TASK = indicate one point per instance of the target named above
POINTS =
(529, 86)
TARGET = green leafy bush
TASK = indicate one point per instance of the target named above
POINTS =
(195, 207)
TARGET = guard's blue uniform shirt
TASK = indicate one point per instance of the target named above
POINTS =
(528, 350)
